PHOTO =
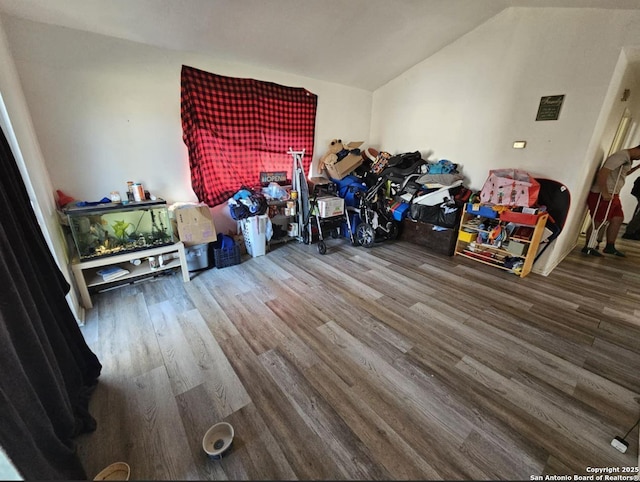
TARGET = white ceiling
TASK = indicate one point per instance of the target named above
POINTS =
(361, 43)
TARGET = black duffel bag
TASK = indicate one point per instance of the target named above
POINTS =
(446, 215)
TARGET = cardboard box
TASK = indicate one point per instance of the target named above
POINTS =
(330, 206)
(195, 225)
(347, 164)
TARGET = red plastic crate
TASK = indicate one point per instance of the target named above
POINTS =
(519, 218)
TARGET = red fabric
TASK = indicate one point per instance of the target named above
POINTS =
(235, 128)
(615, 211)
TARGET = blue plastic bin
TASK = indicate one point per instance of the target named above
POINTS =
(484, 211)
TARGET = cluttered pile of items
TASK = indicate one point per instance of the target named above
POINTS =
(381, 190)
(367, 196)
(363, 195)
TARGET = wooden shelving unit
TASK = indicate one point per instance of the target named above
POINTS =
(86, 272)
(495, 256)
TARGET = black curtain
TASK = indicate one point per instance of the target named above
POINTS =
(48, 371)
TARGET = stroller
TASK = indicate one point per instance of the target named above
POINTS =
(386, 180)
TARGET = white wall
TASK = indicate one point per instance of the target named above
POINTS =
(107, 111)
(471, 100)
(18, 129)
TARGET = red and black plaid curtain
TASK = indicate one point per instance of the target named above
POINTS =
(236, 128)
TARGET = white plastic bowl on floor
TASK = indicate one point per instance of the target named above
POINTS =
(117, 471)
(218, 439)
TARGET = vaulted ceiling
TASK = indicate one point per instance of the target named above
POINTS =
(361, 43)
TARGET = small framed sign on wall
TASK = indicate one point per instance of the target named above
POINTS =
(549, 108)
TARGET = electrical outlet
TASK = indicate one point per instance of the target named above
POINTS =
(619, 444)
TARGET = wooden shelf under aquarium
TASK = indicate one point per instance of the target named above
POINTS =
(86, 275)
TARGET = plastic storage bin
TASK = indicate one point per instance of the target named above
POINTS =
(481, 210)
(467, 236)
(519, 218)
(198, 257)
(225, 251)
(227, 256)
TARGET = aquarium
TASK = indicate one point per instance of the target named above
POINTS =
(117, 228)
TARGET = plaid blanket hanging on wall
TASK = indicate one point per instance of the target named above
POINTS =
(235, 128)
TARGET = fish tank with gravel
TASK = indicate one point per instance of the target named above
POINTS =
(116, 228)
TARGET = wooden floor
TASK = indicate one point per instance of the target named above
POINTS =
(382, 363)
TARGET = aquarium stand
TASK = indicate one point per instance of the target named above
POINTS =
(86, 272)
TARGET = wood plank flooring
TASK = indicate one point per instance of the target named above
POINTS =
(370, 364)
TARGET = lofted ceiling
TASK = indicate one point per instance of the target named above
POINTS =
(360, 43)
